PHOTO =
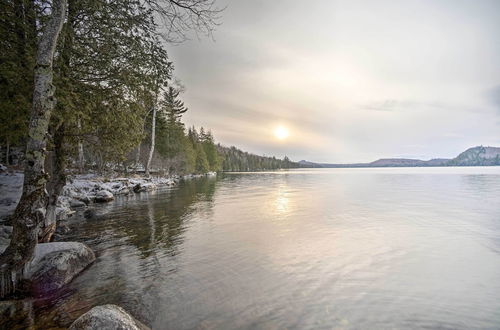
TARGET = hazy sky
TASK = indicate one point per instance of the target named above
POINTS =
(351, 80)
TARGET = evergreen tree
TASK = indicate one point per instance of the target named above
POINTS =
(234, 159)
(213, 157)
(17, 59)
(173, 107)
(108, 64)
(202, 165)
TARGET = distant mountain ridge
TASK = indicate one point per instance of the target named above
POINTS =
(476, 156)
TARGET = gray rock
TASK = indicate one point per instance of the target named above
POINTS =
(123, 191)
(56, 264)
(62, 213)
(77, 203)
(108, 317)
(144, 186)
(139, 188)
(82, 198)
(103, 196)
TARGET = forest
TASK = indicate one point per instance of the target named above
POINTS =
(117, 106)
(87, 86)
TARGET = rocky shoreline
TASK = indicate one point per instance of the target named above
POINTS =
(80, 192)
(56, 264)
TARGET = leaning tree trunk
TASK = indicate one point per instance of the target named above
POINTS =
(30, 211)
(57, 180)
(152, 149)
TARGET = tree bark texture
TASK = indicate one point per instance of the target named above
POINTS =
(57, 180)
(31, 210)
(152, 149)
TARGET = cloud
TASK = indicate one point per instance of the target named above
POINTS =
(353, 80)
(494, 97)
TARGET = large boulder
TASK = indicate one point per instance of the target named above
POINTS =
(109, 317)
(56, 264)
(103, 196)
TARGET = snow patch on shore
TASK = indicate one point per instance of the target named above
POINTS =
(11, 188)
(81, 191)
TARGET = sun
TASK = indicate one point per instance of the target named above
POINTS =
(281, 132)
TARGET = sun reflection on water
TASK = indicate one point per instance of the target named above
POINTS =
(282, 203)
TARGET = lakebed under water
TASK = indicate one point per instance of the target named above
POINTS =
(300, 249)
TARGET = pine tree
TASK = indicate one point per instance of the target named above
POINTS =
(213, 157)
(173, 107)
(202, 165)
(17, 60)
(108, 63)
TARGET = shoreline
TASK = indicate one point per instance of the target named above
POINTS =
(80, 192)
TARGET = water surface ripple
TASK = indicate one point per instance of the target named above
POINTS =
(391, 248)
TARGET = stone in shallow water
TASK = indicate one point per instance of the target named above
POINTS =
(56, 264)
(103, 196)
(139, 188)
(77, 203)
(107, 317)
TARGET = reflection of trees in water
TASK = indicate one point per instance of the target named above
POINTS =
(160, 233)
(153, 226)
(160, 226)
(155, 220)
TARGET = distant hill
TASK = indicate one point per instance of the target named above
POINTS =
(476, 156)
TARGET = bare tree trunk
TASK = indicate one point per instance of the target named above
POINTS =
(152, 149)
(55, 185)
(32, 207)
(81, 158)
(138, 155)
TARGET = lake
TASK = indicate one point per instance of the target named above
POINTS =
(376, 248)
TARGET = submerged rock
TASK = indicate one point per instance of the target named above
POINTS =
(107, 317)
(89, 213)
(56, 264)
(103, 196)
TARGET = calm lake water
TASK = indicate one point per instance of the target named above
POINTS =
(392, 248)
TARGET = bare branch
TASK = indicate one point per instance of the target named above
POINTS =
(177, 18)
